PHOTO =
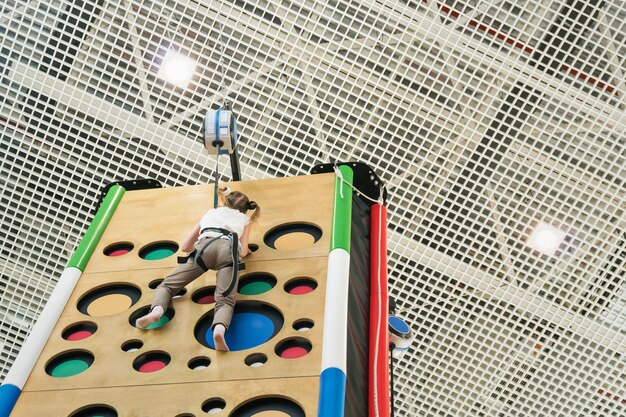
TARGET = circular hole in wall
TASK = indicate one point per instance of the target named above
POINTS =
(96, 410)
(256, 360)
(253, 324)
(213, 406)
(292, 236)
(180, 293)
(204, 295)
(79, 331)
(199, 363)
(300, 286)
(155, 283)
(256, 283)
(69, 363)
(269, 407)
(118, 249)
(165, 318)
(108, 300)
(132, 345)
(293, 348)
(158, 250)
(151, 362)
(303, 325)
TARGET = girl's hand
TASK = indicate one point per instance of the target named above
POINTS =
(245, 238)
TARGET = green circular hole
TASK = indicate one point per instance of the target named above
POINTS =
(165, 318)
(158, 254)
(69, 364)
(158, 250)
(69, 368)
(256, 283)
(255, 288)
(162, 322)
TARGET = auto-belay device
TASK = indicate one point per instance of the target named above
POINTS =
(220, 138)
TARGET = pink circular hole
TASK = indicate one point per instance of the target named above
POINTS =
(204, 295)
(207, 299)
(119, 252)
(118, 249)
(152, 366)
(80, 335)
(300, 290)
(293, 352)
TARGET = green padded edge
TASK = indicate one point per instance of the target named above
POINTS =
(92, 236)
(342, 210)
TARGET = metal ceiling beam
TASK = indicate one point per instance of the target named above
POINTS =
(492, 288)
(560, 91)
(118, 118)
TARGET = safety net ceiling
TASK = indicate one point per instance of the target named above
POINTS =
(496, 126)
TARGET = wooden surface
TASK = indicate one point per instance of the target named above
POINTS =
(167, 215)
(169, 400)
(148, 216)
(112, 365)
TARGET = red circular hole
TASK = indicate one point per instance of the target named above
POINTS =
(293, 352)
(152, 366)
(119, 252)
(300, 286)
(204, 295)
(300, 290)
(118, 249)
(80, 335)
(151, 362)
(207, 299)
(79, 331)
(293, 348)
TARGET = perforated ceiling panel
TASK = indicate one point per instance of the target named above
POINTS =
(496, 125)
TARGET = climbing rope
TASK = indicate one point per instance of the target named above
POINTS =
(339, 175)
(224, 104)
(222, 96)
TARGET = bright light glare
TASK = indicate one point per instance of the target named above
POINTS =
(177, 69)
(546, 239)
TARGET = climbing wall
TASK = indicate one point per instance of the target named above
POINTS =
(96, 363)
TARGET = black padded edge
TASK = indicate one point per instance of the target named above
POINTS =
(365, 179)
(129, 185)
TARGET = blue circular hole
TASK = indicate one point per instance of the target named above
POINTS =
(252, 325)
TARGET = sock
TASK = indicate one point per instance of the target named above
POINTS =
(152, 317)
(218, 338)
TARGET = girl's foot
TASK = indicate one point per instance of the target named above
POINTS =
(218, 338)
(152, 317)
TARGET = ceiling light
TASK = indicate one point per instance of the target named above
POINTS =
(546, 239)
(176, 69)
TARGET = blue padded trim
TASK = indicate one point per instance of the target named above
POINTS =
(8, 397)
(332, 393)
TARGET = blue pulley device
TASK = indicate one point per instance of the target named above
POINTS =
(220, 132)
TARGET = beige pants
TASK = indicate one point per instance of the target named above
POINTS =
(218, 257)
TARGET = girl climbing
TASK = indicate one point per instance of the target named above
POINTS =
(216, 243)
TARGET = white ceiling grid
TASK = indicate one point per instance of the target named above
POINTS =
(484, 118)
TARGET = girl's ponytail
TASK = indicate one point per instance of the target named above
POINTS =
(238, 201)
(252, 205)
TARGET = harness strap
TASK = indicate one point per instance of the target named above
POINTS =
(197, 254)
(235, 256)
(225, 232)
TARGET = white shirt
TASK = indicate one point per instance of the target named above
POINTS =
(225, 218)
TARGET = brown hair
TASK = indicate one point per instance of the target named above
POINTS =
(239, 201)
